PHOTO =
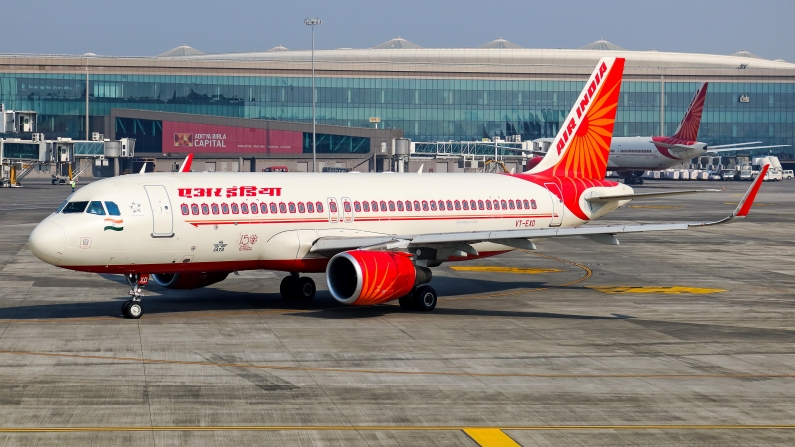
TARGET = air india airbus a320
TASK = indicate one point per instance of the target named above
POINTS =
(374, 235)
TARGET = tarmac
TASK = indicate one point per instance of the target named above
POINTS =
(676, 338)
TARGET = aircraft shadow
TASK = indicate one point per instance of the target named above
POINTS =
(323, 306)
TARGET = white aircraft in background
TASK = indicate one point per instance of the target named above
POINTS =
(630, 157)
(374, 235)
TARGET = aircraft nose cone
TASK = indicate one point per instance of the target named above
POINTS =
(47, 242)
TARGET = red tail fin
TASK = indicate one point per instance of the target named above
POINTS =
(186, 164)
(688, 128)
(582, 146)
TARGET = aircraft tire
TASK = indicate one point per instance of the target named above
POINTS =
(305, 288)
(124, 307)
(407, 302)
(286, 288)
(425, 299)
(133, 310)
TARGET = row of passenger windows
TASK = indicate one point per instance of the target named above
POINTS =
(94, 207)
(366, 206)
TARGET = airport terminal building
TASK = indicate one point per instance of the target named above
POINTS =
(365, 97)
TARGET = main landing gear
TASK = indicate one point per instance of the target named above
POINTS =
(423, 298)
(133, 309)
(294, 287)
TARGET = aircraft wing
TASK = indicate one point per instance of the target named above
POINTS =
(646, 195)
(521, 238)
(739, 149)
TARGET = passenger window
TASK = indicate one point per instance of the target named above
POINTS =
(480, 205)
(113, 209)
(274, 209)
(391, 206)
(205, 209)
(96, 208)
(488, 204)
(504, 204)
(225, 208)
(496, 204)
(215, 208)
(301, 207)
(366, 206)
(441, 205)
(408, 205)
(510, 204)
(310, 207)
(235, 208)
(425, 205)
(383, 206)
(263, 208)
(346, 206)
(291, 205)
(458, 204)
(244, 208)
(433, 205)
(416, 205)
(465, 204)
(332, 207)
(282, 208)
(194, 209)
(518, 204)
(357, 206)
(319, 207)
(374, 205)
(449, 205)
(185, 210)
(526, 204)
(473, 206)
(254, 208)
(400, 205)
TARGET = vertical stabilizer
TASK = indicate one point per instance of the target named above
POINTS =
(582, 146)
(187, 163)
(688, 128)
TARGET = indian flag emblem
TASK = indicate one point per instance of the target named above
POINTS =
(114, 224)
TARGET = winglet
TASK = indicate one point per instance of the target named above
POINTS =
(745, 204)
(186, 164)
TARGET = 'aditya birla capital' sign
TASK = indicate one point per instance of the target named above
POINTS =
(209, 138)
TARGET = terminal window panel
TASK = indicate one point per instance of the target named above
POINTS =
(426, 109)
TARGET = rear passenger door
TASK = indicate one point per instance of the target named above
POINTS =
(347, 210)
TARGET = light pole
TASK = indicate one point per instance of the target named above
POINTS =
(312, 23)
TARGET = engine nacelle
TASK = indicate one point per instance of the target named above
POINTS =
(363, 278)
(188, 280)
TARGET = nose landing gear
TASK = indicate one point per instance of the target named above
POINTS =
(133, 309)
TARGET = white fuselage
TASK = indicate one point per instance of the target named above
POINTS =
(176, 222)
(641, 154)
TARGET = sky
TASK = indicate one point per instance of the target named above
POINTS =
(147, 27)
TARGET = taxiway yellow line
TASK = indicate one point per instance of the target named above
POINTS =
(395, 428)
(502, 269)
(490, 437)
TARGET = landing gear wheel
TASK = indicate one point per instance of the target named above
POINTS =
(132, 310)
(425, 299)
(287, 287)
(305, 289)
(124, 308)
(406, 302)
(640, 180)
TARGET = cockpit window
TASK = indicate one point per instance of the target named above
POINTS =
(60, 208)
(74, 207)
(113, 209)
(96, 208)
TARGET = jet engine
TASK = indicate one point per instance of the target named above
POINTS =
(188, 280)
(533, 162)
(363, 278)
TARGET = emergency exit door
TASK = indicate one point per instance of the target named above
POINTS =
(162, 215)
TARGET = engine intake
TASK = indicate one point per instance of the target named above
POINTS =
(188, 280)
(363, 278)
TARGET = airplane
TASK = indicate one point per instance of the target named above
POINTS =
(375, 235)
(630, 157)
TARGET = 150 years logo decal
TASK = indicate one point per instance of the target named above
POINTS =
(245, 242)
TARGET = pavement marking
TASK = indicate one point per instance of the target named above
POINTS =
(391, 428)
(502, 269)
(655, 207)
(674, 290)
(490, 437)
(755, 204)
(405, 372)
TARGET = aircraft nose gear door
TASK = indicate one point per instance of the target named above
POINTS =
(557, 204)
(162, 216)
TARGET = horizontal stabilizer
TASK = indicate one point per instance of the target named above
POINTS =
(646, 195)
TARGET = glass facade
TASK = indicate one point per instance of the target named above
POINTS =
(426, 109)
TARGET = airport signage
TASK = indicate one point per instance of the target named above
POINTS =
(209, 138)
